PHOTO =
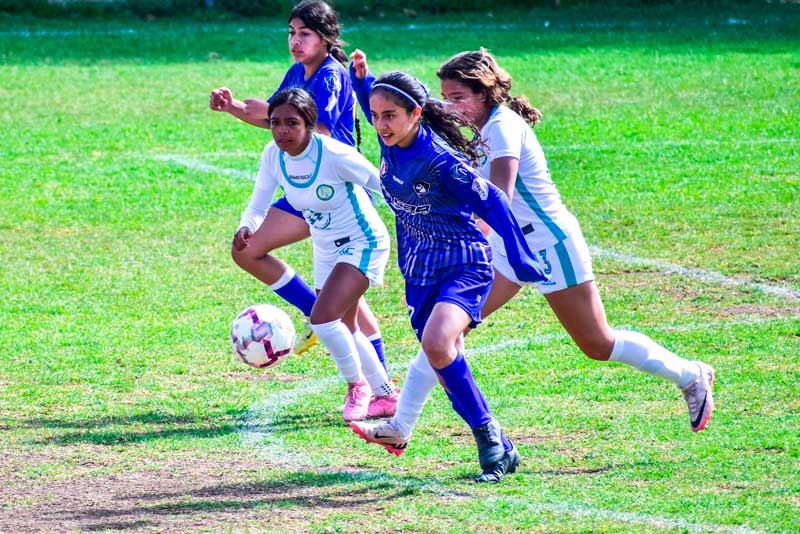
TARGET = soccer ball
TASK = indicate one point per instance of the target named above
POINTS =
(262, 335)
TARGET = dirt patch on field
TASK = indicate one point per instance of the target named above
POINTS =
(187, 494)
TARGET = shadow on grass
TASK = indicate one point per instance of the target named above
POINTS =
(311, 493)
(155, 426)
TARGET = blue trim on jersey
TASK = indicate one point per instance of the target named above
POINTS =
(363, 266)
(529, 199)
(566, 264)
(316, 169)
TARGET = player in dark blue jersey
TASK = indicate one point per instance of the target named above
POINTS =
(319, 69)
(443, 256)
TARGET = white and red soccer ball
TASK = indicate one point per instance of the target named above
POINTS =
(262, 335)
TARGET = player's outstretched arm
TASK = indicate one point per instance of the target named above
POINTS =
(251, 110)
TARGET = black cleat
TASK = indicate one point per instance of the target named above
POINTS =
(489, 442)
(506, 464)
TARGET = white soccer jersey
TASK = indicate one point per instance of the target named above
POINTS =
(326, 183)
(536, 202)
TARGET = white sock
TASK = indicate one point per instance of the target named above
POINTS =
(371, 367)
(285, 278)
(338, 340)
(644, 354)
(420, 381)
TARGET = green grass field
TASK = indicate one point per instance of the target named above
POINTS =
(673, 136)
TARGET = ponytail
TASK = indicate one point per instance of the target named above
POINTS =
(479, 71)
(409, 93)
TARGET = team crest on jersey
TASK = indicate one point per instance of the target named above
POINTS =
(324, 192)
(480, 186)
(460, 173)
(421, 188)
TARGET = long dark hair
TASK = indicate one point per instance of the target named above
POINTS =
(321, 18)
(301, 100)
(439, 115)
(479, 71)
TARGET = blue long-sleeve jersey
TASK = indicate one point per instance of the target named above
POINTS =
(433, 192)
(331, 88)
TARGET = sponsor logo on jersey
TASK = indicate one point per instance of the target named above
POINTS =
(460, 173)
(410, 208)
(421, 188)
(299, 178)
(324, 192)
(480, 186)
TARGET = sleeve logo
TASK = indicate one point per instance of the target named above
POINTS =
(460, 173)
(480, 186)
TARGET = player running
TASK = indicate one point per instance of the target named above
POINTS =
(444, 258)
(325, 180)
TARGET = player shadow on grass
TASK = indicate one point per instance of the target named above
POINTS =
(147, 426)
(301, 490)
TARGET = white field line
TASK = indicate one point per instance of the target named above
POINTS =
(197, 165)
(700, 274)
(697, 274)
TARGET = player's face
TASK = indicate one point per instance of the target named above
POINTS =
(470, 103)
(394, 123)
(289, 129)
(305, 45)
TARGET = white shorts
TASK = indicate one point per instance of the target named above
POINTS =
(369, 258)
(567, 263)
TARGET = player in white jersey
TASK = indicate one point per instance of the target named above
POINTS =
(325, 179)
(514, 161)
(315, 44)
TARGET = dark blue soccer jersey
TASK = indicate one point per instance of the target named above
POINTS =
(433, 191)
(332, 90)
(430, 188)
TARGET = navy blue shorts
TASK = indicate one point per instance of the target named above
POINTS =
(466, 289)
(283, 204)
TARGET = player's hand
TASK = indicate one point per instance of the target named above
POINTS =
(221, 99)
(241, 237)
(359, 59)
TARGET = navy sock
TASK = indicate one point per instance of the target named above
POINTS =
(378, 344)
(467, 399)
(298, 294)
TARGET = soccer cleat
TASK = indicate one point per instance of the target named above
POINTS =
(506, 464)
(306, 339)
(489, 442)
(384, 406)
(699, 397)
(356, 403)
(383, 434)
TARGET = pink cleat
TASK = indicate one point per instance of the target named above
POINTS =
(356, 403)
(384, 406)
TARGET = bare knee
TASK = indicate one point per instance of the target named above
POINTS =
(439, 351)
(597, 349)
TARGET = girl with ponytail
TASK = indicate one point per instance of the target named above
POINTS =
(476, 85)
(430, 184)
